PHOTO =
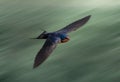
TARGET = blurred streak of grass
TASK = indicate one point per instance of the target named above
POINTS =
(92, 54)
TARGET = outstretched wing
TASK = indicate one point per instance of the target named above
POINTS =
(75, 25)
(46, 50)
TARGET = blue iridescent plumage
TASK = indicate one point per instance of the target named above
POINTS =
(53, 38)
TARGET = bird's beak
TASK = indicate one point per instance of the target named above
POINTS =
(68, 37)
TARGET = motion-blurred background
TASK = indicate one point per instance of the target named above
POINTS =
(92, 54)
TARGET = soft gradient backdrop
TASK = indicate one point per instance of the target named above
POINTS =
(92, 54)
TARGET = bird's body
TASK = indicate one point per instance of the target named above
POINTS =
(62, 37)
(53, 38)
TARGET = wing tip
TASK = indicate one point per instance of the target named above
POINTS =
(85, 19)
(88, 17)
(35, 65)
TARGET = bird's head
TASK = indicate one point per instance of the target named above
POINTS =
(64, 38)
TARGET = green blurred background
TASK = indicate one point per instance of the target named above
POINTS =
(92, 54)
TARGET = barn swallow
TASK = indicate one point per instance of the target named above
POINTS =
(53, 38)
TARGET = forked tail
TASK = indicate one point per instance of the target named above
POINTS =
(42, 35)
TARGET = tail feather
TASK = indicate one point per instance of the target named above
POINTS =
(42, 36)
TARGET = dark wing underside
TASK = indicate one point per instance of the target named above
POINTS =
(75, 25)
(46, 50)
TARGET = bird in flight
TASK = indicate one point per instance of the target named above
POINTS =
(53, 38)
